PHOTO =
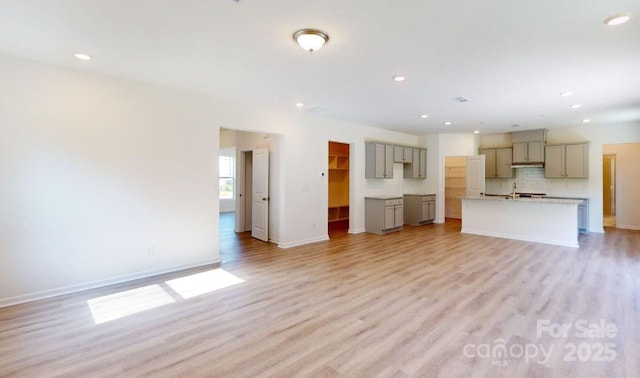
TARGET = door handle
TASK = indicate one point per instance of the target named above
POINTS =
(265, 199)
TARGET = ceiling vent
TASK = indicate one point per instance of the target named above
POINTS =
(461, 99)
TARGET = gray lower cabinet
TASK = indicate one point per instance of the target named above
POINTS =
(383, 214)
(583, 217)
(419, 209)
(379, 161)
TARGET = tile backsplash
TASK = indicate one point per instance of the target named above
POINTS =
(532, 180)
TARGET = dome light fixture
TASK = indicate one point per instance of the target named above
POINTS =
(616, 19)
(310, 39)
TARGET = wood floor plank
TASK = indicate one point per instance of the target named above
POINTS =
(406, 304)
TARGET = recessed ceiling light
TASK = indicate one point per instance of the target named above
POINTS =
(576, 106)
(398, 78)
(476, 132)
(82, 56)
(299, 104)
(566, 94)
(616, 19)
(447, 123)
(586, 120)
(424, 116)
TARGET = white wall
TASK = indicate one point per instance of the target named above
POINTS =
(103, 179)
(597, 136)
(627, 183)
(100, 180)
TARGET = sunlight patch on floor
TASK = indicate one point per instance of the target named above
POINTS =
(202, 283)
(116, 306)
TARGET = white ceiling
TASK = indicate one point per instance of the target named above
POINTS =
(510, 58)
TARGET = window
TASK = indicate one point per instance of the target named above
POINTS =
(225, 175)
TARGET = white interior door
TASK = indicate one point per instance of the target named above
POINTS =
(260, 200)
(475, 175)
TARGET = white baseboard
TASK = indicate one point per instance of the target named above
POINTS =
(357, 231)
(4, 302)
(627, 227)
(520, 237)
(597, 230)
(303, 242)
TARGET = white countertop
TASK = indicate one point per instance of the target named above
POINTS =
(420, 195)
(562, 201)
(383, 197)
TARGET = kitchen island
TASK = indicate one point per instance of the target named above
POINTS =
(543, 220)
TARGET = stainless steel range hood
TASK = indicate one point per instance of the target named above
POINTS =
(527, 165)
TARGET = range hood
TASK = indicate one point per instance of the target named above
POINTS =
(527, 165)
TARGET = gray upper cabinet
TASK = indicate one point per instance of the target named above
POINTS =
(418, 167)
(528, 146)
(489, 163)
(503, 163)
(402, 154)
(567, 161)
(379, 160)
(577, 160)
(528, 152)
(497, 162)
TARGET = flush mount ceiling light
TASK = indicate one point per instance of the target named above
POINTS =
(616, 19)
(476, 132)
(566, 94)
(299, 104)
(576, 106)
(424, 116)
(310, 39)
(586, 120)
(398, 78)
(447, 123)
(82, 56)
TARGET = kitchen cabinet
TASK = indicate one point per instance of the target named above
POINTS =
(378, 161)
(528, 152)
(402, 154)
(419, 209)
(583, 217)
(383, 214)
(418, 167)
(497, 162)
(567, 161)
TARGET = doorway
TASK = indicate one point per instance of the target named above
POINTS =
(455, 185)
(339, 177)
(609, 190)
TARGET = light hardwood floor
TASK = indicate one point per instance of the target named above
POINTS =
(404, 304)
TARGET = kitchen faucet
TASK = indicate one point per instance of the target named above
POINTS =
(513, 191)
